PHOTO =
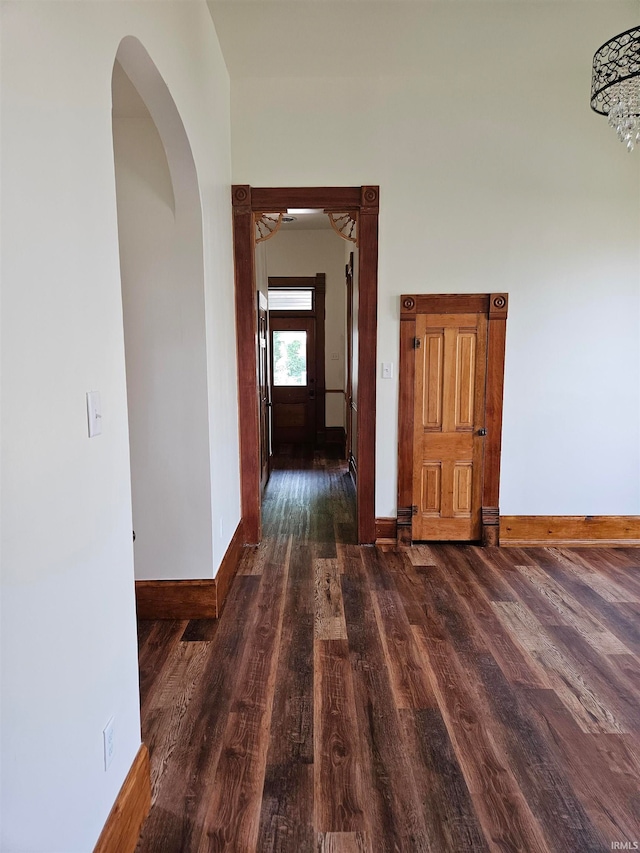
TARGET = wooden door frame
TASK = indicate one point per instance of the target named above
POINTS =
(364, 202)
(495, 307)
(317, 283)
(348, 391)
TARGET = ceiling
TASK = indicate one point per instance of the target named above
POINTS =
(308, 222)
(374, 38)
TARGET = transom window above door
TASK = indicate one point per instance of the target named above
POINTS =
(289, 299)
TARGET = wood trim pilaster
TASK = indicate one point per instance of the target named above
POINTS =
(191, 599)
(497, 333)
(121, 832)
(495, 306)
(247, 347)
(247, 200)
(407, 369)
(367, 346)
(570, 531)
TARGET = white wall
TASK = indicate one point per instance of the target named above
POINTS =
(305, 253)
(69, 658)
(161, 267)
(495, 175)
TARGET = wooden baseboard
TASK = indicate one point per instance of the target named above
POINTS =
(570, 531)
(386, 531)
(336, 435)
(191, 599)
(229, 567)
(121, 831)
(186, 599)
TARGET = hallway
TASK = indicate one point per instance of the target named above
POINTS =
(440, 698)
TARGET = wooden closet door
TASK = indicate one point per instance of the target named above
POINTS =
(450, 374)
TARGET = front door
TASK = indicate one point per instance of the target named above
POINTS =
(450, 371)
(293, 380)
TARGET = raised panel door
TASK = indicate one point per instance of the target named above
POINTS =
(450, 374)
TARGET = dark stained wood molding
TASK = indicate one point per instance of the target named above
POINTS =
(386, 531)
(497, 334)
(191, 599)
(348, 391)
(367, 344)
(578, 531)
(229, 566)
(121, 831)
(176, 599)
(406, 372)
(495, 306)
(336, 436)
(247, 200)
(275, 199)
(444, 303)
(247, 347)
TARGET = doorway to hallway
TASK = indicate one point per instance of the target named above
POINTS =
(351, 209)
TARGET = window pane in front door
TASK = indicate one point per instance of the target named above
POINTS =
(289, 358)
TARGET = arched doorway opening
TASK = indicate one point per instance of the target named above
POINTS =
(162, 276)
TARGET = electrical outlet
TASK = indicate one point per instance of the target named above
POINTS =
(109, 739)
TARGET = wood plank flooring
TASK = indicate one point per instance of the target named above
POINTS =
(363, 700)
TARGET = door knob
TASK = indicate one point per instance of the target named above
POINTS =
(482, 431)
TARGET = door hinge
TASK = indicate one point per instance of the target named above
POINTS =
(414, 510)
(416, 343)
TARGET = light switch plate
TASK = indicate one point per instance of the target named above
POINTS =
(387, 370)
(94, 413)
(109, 742)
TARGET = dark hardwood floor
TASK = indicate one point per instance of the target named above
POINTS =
(441, 698)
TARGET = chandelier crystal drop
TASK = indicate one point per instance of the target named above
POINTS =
(624, 115)
(615, 85)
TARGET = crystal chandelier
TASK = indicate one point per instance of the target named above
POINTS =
(615, 85)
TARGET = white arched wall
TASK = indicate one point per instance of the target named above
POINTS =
(161, 265)
(68, 631)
